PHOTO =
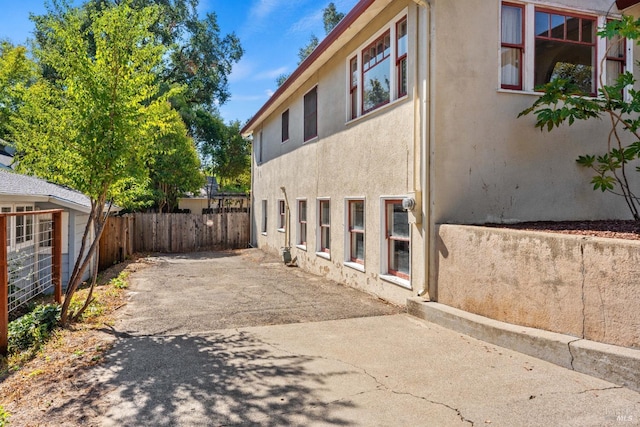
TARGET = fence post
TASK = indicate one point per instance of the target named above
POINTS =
(4, 288)
(56, 273)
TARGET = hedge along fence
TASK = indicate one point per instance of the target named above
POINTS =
(172, 233)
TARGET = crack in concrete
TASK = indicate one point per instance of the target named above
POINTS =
(616, 387)
(380, 384)
(571, 352)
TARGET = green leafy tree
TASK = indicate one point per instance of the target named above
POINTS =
(226, 154)
(94, 126)
(306, 50)
(565, 100)
(17, 73)
(197, 58)
(330, 18)
(175, 167)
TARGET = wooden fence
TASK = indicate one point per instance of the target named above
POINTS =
(171, 233)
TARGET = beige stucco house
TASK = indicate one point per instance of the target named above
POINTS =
(405, 118)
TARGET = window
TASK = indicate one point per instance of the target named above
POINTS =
(24, 225)
(264, 217)
(259, 148)
(401, 56)
(539, 44)
(565, 47)
(353, 87)
(302, 223)
(285, 126)
(311, 114)
(376, 90)
(398, 241)
(378, 70)
(356, 230)
(512, 46)
(282, 215)
(324, 226)
(616, 58)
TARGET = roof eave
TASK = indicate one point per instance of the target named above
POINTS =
(309, 62)
(625, 4)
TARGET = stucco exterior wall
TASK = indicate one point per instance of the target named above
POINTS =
(369, 158)
(489, 165)
(580, 286)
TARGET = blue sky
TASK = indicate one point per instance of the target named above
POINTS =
(271, 32)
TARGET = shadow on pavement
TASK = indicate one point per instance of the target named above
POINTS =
(222, 379)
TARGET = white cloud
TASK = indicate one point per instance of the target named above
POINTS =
(263, 8)
(242, 70)
(307, 24)
(269, 92)
(271, 74)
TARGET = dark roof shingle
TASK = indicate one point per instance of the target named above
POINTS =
(12, 183)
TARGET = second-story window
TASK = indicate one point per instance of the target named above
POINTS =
(285, 126)
(378, 70)
(376, 79)
(311, 114)
(540, 44)
(401, 56)
(565, 48)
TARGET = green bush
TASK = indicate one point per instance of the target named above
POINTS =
(33, 329)
(4, 417)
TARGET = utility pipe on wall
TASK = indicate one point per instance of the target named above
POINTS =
(425, 168)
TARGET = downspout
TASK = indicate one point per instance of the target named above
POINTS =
(425, 168)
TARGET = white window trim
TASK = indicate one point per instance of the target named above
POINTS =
(391, 27)
(319, 252)
(347, 234)
(384, 248)
(12, 225)
(528, 55)
(298, 230)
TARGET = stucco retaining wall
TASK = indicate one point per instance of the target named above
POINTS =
(581, 286)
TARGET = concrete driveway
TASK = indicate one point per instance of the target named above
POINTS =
(235, 339)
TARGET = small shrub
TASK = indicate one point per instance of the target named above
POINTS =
(32, 330)
(4, 417)
(120, 282)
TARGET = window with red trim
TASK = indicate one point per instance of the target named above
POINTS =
(356, 231)
(324, 223)
(398, 239)
(311, 114)
(376, 78)
(282, 215)
(616, 58)
(512, 47)
(565, 47)
(302, 222)
(401, 57)
(353, 87)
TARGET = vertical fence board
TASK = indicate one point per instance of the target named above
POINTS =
(172, 233)
(4, 287)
